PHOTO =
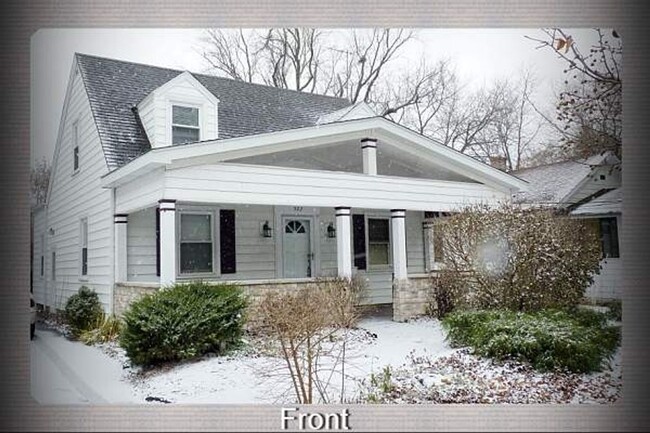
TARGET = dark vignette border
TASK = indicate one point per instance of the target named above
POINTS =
(19, 20)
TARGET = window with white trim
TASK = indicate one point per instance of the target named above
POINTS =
(196, 243)
(378, 241)
(185, 124)
(83, 235)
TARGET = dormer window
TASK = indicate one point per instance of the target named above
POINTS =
(185, 124)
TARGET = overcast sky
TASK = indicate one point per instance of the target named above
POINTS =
(480, 56)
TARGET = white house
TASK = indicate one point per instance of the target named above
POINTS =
(162, 175)
(588, 189)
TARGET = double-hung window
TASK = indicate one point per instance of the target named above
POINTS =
(378, 241)
(196, 243)
(84, 246)
(185, 124)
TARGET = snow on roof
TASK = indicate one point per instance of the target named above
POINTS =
(608, 203)
(549, 184)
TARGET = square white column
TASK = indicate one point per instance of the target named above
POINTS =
(167, 242)
(120, 221)
(343, 242)
(369, 152)
(398, 225)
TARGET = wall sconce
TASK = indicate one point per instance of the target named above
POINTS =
(331, 231)
(51, 231)
(267, 231)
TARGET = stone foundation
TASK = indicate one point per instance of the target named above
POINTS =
(410, 297)
(126, 293)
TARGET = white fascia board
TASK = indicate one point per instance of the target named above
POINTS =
(222, 150)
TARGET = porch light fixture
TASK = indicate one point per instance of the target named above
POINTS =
(331, 231)
(267, 231)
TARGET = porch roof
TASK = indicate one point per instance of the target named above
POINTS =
(217, 151)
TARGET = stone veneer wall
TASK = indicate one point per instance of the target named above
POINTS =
(126, 293)
(410, 297)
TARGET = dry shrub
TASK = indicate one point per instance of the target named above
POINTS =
(518, 259)
(306, 322)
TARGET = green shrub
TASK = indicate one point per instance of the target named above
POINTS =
(106, 329)
(83, 310)
(183, 321)
(615, 307)
(577, 341)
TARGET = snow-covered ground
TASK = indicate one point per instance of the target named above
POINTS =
(423, 369)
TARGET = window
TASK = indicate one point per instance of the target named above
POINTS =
(196, 243)
(609, 237)
(75, 143)
(84, 246)
(53, 266)
(185, 124)
(378, 241)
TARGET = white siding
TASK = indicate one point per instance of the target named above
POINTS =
(233, 183)
(607, 284)
(256, 255)
(38, 280)
(141, 246)
(74, 196)
(155, 109)
(594, 183)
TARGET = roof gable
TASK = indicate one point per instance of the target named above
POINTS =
(564, 183)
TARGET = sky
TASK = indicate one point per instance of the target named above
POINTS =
(480, 56)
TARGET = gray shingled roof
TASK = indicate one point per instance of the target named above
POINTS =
(549, 184)
(114, 87)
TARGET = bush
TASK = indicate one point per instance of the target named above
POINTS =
(107, 328)
(519, 259)
(311, 324)
(577, 341)
(83, 310)
(183, 321)
(446, 293)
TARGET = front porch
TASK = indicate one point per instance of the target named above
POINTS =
(261, 248)
(283, 214)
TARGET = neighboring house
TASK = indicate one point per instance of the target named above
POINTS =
(589, 189)
(162, 176)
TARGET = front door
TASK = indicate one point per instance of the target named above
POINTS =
(296, 245)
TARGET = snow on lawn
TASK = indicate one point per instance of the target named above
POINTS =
(257, 378)
(423, 369)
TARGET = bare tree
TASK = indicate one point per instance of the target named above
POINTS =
(40, 180)
(589, 109)
(355, 66)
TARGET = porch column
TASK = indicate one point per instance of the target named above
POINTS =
(120, 221)
(167, 241)
(369, 151)
(398, 223)
(343, 243)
